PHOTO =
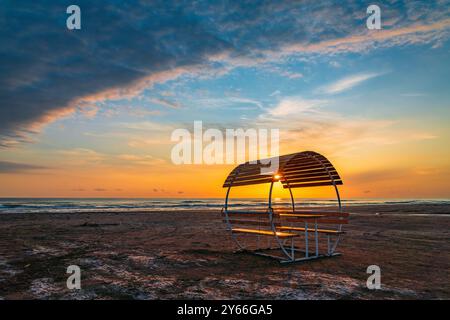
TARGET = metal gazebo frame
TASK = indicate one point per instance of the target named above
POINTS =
(297, 170)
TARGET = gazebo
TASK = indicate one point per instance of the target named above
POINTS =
(249, 227)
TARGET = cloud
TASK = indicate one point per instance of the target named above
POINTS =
(146, 126)
(81, 157)
(348, 83)
(15, 167)
(47, 71)
(375, 175)
(275, 93)
(307, 124)
(166, 103)
(294, 106)
(144, 160)
(228, 102)
(407, 35)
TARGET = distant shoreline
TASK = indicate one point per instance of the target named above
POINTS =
(44, 205)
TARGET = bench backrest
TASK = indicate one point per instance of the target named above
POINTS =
(327, 217)
(250, 218)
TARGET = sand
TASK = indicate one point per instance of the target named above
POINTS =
(189, 255)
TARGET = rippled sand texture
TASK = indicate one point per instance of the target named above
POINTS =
(189, 255)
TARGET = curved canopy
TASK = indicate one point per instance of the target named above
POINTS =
(296, 170)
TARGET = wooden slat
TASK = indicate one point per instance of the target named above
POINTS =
(315, 174)
(244, 175)
(307, 174)
(315, 184)
(252, 222)
(299, 215)
(243, 212)
(329, 231)
(248, 169)
(305, 168)
(289, 177)
(298, 169)
(319, 221)
(265, 233)
(249, 177)
(301, 181)
(303, 161)
(300, 160)
(249, 182)
(251, 168)
(256, 179)
(324, 213)
(309, 179)
(312, 179)
(249, 215)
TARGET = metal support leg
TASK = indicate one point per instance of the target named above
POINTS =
(328, 244)
(292, 248)
(316, 238)
(306, 240)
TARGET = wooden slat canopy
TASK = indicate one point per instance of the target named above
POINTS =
(296, 170)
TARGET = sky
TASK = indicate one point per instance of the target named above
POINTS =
(90, 112)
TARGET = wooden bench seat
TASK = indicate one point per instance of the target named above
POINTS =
(252, 222)
(327, 231)
(337, 218)
(246, 211)
(318, 212)
(265, 232)
(247, 214)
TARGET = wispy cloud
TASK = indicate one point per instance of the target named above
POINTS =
(81, 157)
(144, 160)
(308, 124)
(406, 35)
(234, 102)
(146, 126)
(294, 106)
(189, 41)
(348, 83)
(167, 103)
(15, 167)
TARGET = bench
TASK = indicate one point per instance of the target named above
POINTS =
(323, 217)
(326, 231)
(306, 169)
(279, 234)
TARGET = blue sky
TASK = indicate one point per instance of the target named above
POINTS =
(114, 90)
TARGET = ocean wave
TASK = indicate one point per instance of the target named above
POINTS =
(134, 205)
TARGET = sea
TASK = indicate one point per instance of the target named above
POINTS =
(70, 205)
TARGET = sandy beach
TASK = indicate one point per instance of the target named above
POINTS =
(189, 255)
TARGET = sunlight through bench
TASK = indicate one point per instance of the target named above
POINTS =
(284, 225)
